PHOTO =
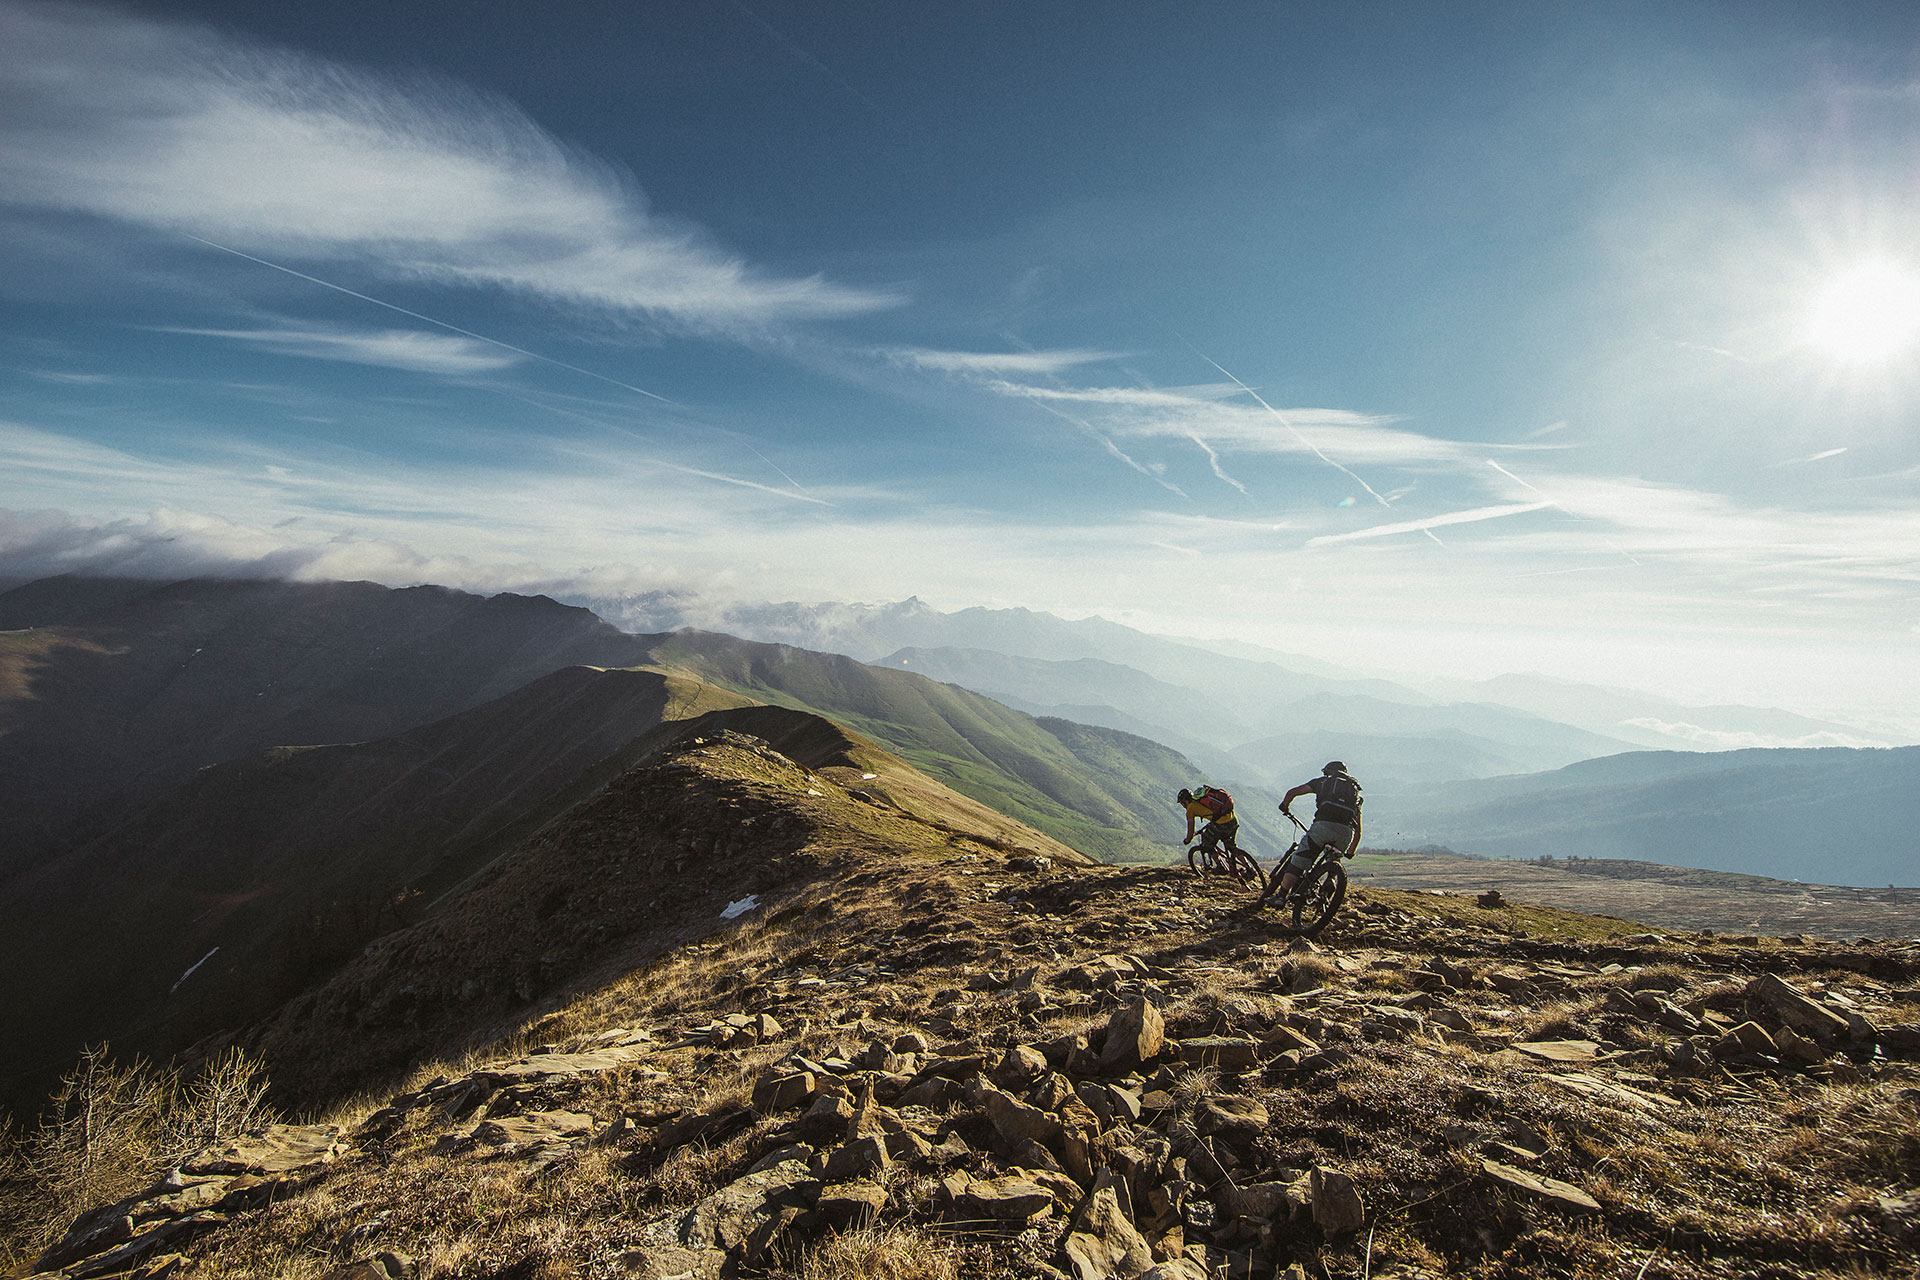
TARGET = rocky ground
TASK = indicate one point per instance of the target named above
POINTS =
(965, 1062)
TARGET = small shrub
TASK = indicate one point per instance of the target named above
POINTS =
(110, 1129)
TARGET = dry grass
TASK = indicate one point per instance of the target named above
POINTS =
(888, 1253)
(1660, 977)
(1557, 1021)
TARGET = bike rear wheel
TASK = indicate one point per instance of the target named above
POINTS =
(1241, 863)
(1317, 897)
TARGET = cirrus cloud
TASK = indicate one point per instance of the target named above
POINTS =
(183, 129)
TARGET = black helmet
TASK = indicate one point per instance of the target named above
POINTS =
(1334, 766)
(1185, 796)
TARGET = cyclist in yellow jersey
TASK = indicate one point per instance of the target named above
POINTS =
(1213, 807)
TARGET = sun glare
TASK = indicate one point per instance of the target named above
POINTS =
(1868, 313)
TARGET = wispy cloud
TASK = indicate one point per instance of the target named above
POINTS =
(1023, 363)
(73, 379)
(408, 349)
(179, 128)
(1822, 456)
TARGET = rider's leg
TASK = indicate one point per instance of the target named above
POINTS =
(1301, 859)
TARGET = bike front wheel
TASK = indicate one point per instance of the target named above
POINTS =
(1317, 897)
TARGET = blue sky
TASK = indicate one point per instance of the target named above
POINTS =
(1440, 339)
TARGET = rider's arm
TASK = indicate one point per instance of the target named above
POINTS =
(1302, 790)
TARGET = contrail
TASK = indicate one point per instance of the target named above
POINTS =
(478, 337)
(1421, 526)
(1213, 459)
(1311, 447)
(779, 37)
(744, 484)
(1550, 502)
(798, 491)
(1114, 449)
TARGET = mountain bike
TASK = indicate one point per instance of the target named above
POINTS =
(1319, 893)
(1218, 856)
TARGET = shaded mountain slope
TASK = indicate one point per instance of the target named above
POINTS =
(266, 871)
(260, 876)
(139, 690)
(1830, 815)
(127, 694)
(711, 816)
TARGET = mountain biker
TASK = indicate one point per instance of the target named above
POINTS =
(1336, 821)
(1215, 808)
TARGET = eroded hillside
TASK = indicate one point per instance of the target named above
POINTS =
(925, 1052)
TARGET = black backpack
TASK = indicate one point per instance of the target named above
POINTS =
(1339, 799)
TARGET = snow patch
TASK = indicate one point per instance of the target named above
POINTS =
(189, 973)
(734, 909)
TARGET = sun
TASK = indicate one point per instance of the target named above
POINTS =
(1866, 314)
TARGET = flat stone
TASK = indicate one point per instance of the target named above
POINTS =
(1228, 1053)
(1807, 1016)
(278, 1148)
(1283, 1038)
(850, 1206)
(1014, 1120)
(826, 1120)
(783, 1092)
(1021, 1065)
(1564, 1193)
(1231, 1116)
(1008, 1199)
(1559, 1050)
(541, 1066)
(856, 1159)
(726, 1219)
(533, 1128)
(1748, 1037)
(1607, 1090)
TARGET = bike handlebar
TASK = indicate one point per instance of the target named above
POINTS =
(1296, 822)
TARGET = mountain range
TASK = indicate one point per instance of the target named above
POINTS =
(1231, 694)
(1829, 815)
(220, 792)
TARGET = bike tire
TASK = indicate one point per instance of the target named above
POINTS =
(1241, 863)
(1317, 898)
(1193, 860)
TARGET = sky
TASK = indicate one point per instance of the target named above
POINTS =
(1438, 340)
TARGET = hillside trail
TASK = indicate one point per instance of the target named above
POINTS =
(932, 1051)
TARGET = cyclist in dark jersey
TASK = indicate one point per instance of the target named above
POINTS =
(1336, 821)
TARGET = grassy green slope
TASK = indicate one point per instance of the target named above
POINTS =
(1101, 791)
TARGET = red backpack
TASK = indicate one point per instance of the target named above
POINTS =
(1217, 800)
